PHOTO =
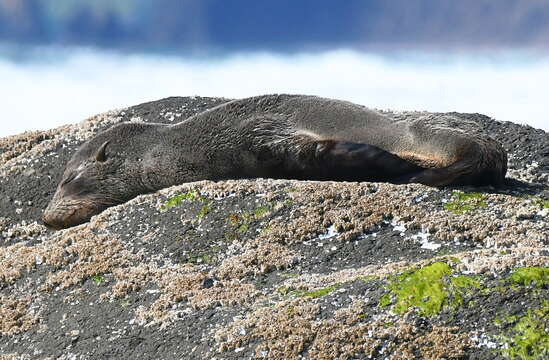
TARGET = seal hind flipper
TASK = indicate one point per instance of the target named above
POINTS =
(482, 162)
(350, 161)
(462, 172)
(448, 175)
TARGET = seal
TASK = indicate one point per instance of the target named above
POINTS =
(275, 136)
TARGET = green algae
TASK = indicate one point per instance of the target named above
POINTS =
(191, 195)
(385, 300)
(462, 284)
(422, 289)
(528, 338)
(428, 289)
(240, 224)
(465, 282)
(321, 292)
(204, 210)
(538, 201)
(542, 203)
(283, 290)
(261, 212)
(97, 279)
(243, 228)
(204, 258)
(175, 200)
(367, 278)
(525, 276)
(287, 291)
(287, 203)
(463, 202)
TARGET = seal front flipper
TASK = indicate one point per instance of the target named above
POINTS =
(349, 161)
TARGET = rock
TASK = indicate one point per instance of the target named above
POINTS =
(276, 268)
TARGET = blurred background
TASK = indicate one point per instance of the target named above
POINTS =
(64, 60)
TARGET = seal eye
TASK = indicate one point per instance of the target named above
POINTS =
(101, 154)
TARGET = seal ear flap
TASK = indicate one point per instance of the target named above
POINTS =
(101, 154)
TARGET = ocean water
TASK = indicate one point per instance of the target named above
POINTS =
(45, 87)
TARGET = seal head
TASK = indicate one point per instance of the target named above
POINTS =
(88, 186)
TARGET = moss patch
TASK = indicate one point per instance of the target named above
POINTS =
(537, 276)
(463, 202)
(428, 289)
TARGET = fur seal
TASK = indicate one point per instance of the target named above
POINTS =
(276, 136)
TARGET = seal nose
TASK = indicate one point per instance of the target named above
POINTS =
(51, 222)
(63, 216)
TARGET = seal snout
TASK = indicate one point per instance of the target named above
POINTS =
(51, 221)
(63, 213)
(56, 216)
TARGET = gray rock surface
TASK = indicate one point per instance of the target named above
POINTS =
(275, 269)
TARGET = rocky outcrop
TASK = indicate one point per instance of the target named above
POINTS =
(275, 269)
